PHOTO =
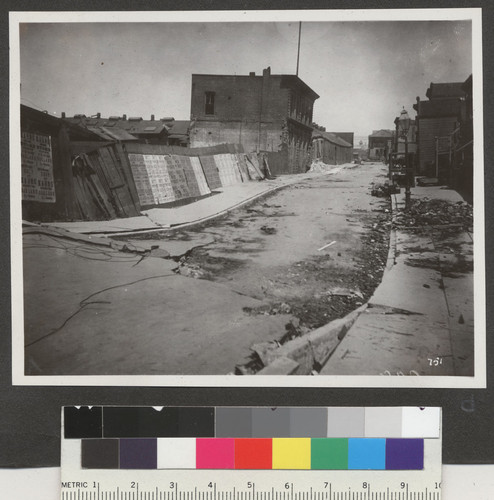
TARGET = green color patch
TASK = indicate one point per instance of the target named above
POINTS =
(329, 453)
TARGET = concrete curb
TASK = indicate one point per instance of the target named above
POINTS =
(200, 221)
(157, 229)
(213, 216)
(300, 356)
(166, 228)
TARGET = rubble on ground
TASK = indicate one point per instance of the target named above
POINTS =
(427, 212)
(384, 190)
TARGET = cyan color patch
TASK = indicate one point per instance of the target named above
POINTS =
(366, 454)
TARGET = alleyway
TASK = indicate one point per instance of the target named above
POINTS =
(273, 270)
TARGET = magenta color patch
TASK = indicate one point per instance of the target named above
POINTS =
(215, 453)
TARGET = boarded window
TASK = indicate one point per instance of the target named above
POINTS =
(209, 105)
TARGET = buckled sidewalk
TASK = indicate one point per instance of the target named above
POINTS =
(420, 319)
(156, 219)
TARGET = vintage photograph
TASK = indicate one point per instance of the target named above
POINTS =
(253, 196)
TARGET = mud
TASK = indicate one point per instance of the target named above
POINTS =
(311, 253)
(302, 287)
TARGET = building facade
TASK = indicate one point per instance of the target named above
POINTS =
(462, 143)
(330, 148)
(436, 119)
(379, 142)
(268, 113)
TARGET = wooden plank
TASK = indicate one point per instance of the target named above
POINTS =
(115, 182)
(266, 165)
(253, 166)
(82, 198)
(99, 166)
(104, 196)
(113, 176)
(93, 161)
(70, 209)
(100, 195)
(98, 209)
(244, 172)
(124, 164)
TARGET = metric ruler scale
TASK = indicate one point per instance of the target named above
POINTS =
(331, 491)
(126, 453)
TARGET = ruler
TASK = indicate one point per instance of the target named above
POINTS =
(80, 483)
(298, 485)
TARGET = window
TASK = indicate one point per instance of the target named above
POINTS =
(209, 103)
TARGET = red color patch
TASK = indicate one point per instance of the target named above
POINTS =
(255, 453)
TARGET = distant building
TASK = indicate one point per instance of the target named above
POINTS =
(165, 131)
(346, 136)
(436, 119)
(179, 132)
(379, 142)
(331, 149)
(268, 113)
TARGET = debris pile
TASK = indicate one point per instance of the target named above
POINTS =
(426, 212)
(384, 190)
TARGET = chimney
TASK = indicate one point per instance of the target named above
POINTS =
(252, 73)
(63, 114)
(152, 118)
(124, 117)
(267, 71)
(98, 115)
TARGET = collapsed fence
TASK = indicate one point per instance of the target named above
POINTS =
(114, 180)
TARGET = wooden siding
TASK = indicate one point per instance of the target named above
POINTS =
(429, 128)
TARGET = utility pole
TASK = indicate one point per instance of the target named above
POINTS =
(298, 50)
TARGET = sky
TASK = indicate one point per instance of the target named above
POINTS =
(364, 72)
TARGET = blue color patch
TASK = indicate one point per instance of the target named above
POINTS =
(366, 453)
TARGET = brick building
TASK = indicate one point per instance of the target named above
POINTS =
(436, 118)
(268, 113)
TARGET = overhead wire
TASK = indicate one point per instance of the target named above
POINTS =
(84, 302)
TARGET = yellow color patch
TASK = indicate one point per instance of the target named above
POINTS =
(291, 453)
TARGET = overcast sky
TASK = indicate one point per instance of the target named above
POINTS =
(365, 72)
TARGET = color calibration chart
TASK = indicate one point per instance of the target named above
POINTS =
(251, 453)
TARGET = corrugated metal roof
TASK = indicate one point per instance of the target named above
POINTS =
(179, 127)
(328, 136)
(119, 134)
(346, 136)
(133, 127)
(100, 133)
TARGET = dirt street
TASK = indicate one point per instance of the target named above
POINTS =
(310, 253)
(265, 273)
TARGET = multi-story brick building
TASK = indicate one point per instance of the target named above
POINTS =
(268, 113)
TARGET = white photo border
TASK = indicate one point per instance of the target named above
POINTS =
(446, 14)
